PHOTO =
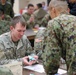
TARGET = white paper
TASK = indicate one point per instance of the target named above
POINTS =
(38, 68)
(61, 71)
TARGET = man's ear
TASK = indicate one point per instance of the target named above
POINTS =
(68, 10)
(11, 27)
(53, 9)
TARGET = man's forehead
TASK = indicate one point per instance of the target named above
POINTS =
(19, 24)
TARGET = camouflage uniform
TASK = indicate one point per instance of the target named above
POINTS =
(45, 20)
(11, 2)
(27, 16)
(10, 50)
(4, 26)
(60, 41)
(7, 18)
(38, 46)
(8, 10)
(5, 71)
(38, 15)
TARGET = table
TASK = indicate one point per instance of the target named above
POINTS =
(30, 34)
(28, 72)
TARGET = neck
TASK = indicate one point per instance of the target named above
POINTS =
(13, 38)
(29, 13)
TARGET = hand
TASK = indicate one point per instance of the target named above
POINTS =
(31, 19)
(38, 40)
(36, 26)
(33, 58)
(26, 62)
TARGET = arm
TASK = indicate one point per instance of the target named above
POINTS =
(38, 43)
(2, 54)
(51, 50)
(29, 52)
(29, 20)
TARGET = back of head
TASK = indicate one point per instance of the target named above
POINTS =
(39, 5)
(18, 19)
(60, 5)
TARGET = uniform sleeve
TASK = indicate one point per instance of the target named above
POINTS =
(51, 50)
(29, 24)
(38, 43)
(2, 54)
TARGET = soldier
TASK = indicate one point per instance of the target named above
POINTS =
(14, 44)
(45, 20)
(9, 11)
(5, 71)
(4, 23)
(39, 14)
(4, 16)
(44, 6)
(28, 16)
(60, 39)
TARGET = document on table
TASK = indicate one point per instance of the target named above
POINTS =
(38, 68)
(61, 71)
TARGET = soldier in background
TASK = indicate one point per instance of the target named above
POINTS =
(28, 16)
(7, 8)
(4, 22)
(45, 20)
(39, 14)
(4, 16)
(59, 39)
(44, 6)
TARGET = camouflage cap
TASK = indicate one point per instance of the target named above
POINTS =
(5, 71)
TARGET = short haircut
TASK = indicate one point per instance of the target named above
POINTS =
(39, 5)
(18, 19)
(61, 5)
(30, 5)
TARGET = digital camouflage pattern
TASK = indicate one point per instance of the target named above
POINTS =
(26, 17)
(45, 20)
(38, 46)
(9, 11)
(7, 18)
(10, 50)
(5, 71)
(4, 26)
(60, 41)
